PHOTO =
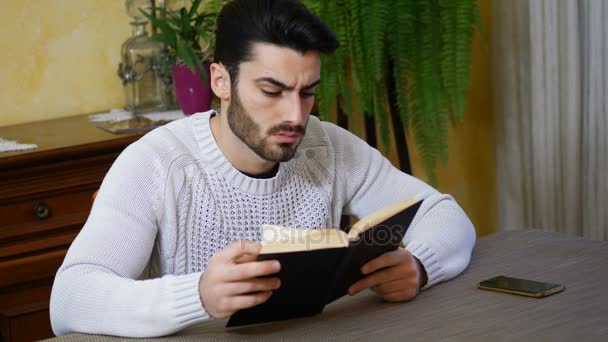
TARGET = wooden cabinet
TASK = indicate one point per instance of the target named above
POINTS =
(45, 198)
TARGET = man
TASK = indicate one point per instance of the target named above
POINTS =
(189, 199)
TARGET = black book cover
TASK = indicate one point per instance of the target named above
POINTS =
(312, 279)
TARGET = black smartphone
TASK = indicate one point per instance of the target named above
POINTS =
(523, 287)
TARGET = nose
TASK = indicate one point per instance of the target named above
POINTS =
(294, 111)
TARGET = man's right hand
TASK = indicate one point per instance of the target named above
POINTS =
(230, 282)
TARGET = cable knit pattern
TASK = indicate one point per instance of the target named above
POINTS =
(172, 200)
(181, 246)
(225, 214)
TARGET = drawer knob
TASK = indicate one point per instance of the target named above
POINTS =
(42, 211)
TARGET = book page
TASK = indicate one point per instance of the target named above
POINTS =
(377, 217)
(278, 239)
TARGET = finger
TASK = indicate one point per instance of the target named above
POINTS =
(245, 258)
(395, 286)
(251, 270)
(385, 260)
(251, 286)
(363, 284)
(377, 278)
(236, 303)
(238, 249)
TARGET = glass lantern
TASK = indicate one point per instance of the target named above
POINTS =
(140, 68)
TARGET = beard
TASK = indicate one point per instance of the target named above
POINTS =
(245, 128)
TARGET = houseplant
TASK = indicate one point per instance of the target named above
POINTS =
(188, 35)
(406, 62)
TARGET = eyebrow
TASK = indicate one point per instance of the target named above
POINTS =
(283, 85)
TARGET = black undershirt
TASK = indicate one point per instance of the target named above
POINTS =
(267, 175)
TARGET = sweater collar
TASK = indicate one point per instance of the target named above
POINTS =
(215, 161)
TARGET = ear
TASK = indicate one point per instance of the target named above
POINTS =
(220, 81)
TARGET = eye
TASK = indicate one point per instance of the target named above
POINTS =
(271, 93)
(307, 95)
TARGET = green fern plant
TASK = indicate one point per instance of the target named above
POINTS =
(425, 44)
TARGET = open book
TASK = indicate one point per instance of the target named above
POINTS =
(319, 265)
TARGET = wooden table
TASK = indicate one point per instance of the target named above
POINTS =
(457, 310)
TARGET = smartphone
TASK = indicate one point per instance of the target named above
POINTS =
(523, 287)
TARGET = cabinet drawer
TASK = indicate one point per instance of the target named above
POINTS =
(46, 238)
(45, 208)
(34, 267)
(26, 323)
(30, 327)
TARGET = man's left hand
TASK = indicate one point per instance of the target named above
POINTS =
(396, 276)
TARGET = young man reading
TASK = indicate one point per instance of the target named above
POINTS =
(190, 198)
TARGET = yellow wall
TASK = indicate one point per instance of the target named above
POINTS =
(59, 58)
(470, 174)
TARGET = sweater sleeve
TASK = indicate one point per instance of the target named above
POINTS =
(95, 290)
(441, 235)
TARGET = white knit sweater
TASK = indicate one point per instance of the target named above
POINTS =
(171, 200)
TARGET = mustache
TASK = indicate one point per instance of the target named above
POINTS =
(287, 128)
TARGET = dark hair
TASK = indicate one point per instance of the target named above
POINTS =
(285, 23)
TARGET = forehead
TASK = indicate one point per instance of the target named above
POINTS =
(282, 63)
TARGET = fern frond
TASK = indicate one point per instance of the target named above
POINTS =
(428, 43)
(423, 91)
(400, 45)
(382, 116)
(464, 16)
(360, 56)
(340, 54)
(328, 89)
(354, 50)
(374, 37)
(313, 5)
(448, 56)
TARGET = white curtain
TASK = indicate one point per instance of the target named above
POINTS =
(551, 94)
